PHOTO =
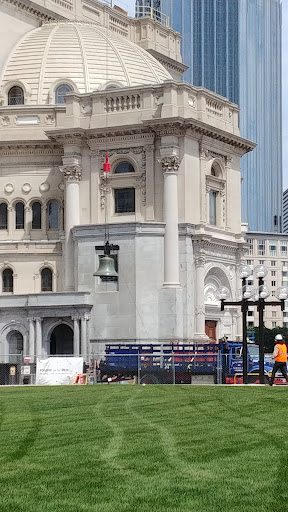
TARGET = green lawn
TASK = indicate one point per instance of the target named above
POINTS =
(118, 448)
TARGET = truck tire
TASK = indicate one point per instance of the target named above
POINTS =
(149, 378)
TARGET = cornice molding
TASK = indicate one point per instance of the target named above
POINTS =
(180, 126)
(19, 149)
(74, 137)
(205, 244)
(168, 62)
(112, 142)
(31, 10)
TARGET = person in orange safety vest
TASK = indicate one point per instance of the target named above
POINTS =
(280, 357)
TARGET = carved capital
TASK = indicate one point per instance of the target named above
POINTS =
(170, 164)
(200, 261)
(228, 161)
(200, 310)
(203, 153)
(149, 148)
(72, 172)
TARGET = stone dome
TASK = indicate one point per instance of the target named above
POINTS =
(83, 56)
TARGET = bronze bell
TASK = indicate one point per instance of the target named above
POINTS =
(106, 267)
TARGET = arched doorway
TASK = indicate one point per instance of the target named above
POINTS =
(61, 340)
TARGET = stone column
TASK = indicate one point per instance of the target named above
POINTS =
(72, 175)
(170, 166)
(38, 337)
(44, 221)
(31, 342)
(200, 304)
(11, 220)
(88, 349)
(27, 221)
(83, 350)
(76, 344)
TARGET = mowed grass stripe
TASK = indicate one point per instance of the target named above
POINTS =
(143, 448)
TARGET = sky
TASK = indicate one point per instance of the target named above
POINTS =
(129, 5)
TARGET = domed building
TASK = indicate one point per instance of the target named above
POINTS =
(95, 59)
(77, 94)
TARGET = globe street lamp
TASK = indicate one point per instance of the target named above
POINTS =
(259, 295)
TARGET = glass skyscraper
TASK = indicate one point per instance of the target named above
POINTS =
(233, 47)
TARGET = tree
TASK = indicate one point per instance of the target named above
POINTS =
(269, 336)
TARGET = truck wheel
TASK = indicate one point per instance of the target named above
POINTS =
(149, 379)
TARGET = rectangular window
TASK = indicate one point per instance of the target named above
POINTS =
(124, 200)
(273, 263)
(250, 324)
(261, 262)
(274, 324)
(273, 283)
(261, 247)
(272, 247)
(273, 273)
(283, 248)
(250, 247)
(274, 314)
(249, 262)
(212, 207)
(250, 313)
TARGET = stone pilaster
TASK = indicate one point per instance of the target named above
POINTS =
(200, 304)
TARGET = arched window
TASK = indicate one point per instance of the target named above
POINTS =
(7, 280)
(16, 96)
(124, 167)
(19, 215)
(60, 92)
(216, 170)
(46, 280)
(53, 215)
(36, 215)
(3, 216)
(15, 341)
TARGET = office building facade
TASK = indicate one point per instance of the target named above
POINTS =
(285, 211)
(233, 47)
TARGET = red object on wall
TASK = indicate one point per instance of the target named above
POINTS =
(107, 166)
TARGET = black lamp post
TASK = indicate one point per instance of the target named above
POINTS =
(260, 295)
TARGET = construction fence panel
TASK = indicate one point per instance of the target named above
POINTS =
(129, 368)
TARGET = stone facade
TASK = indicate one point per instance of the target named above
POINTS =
(174, 150)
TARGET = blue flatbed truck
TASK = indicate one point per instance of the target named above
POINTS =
(176, 363)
